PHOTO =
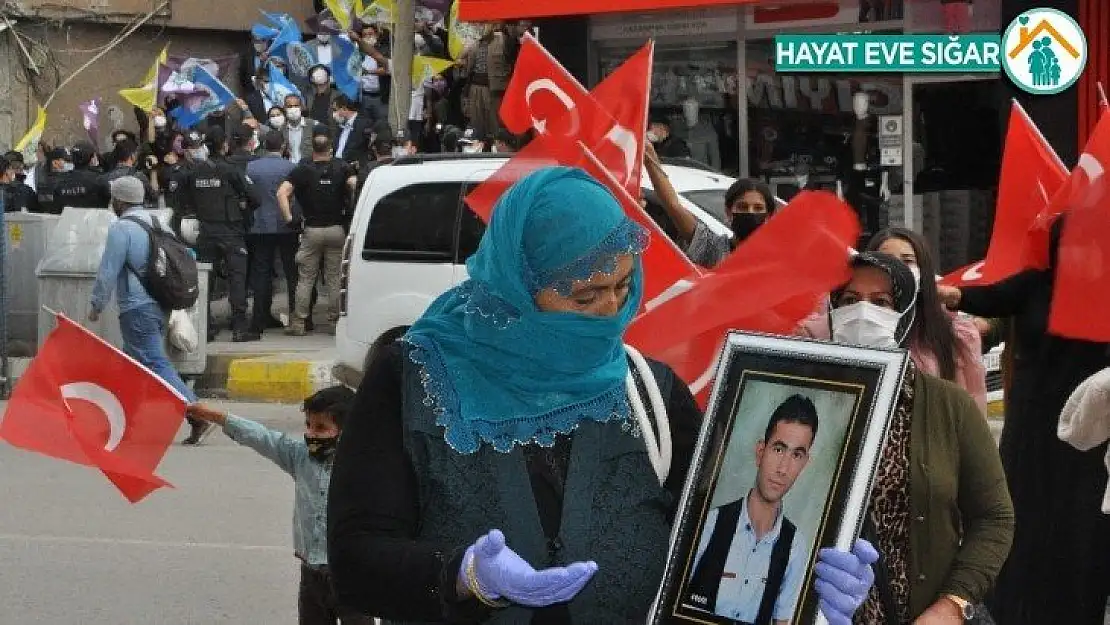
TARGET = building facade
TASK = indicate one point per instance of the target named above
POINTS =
(44, 41)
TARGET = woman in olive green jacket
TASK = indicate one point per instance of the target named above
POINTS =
(940, 511)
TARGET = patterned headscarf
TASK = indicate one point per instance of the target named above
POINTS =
(497, 369)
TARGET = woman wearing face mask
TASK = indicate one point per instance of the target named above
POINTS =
(940, 512)
(1057, 572)
(276, 115)
(748, 204)
(492, 474)
(941, 344)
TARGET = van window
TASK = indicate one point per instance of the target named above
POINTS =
(415, 224)
(470, 234)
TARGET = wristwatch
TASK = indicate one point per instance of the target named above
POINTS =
(967, 610)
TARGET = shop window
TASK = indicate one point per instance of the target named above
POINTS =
(415, 224)
(694, 87)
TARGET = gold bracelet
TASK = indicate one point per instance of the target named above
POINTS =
(476, 589)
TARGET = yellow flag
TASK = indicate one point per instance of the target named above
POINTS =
(459, 34)
(29, 144)
(146, 95)
(424, 67)
(378, 11)
(341, 11)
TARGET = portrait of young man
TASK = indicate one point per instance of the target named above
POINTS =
(750, 562)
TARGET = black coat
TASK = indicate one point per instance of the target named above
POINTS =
(1057, 570)
(357, 149)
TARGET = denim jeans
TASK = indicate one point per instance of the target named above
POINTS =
(144, 330)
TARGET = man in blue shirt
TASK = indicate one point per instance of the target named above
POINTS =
(270, 237)
(750, 562)
(309, 462)
(141, 320)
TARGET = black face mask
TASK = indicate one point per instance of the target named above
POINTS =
(320, 447)
(744, 224)
(20, 178)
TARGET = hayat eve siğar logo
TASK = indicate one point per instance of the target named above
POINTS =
(1045, 51)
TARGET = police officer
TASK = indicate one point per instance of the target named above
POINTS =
(18, 195)
(219, 196)
(173, 175)
(47, 184)
(79, 188)
(323, 187)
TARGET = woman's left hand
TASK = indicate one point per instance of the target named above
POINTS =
(843, 581)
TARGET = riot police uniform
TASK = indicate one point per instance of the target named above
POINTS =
(79, 188)
(217, 193)
(173, 179)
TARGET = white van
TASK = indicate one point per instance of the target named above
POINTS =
(412, 233)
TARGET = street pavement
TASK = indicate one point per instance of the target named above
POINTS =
(215, 549)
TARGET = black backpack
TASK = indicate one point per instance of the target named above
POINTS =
(171, 276)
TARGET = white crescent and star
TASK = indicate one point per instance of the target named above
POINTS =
(546, 84)
(974, 272)
(108, 403)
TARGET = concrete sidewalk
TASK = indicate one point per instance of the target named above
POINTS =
(279, 368)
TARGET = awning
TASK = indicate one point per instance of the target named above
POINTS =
(493, 10)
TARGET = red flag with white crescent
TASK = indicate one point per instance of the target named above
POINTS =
(84, 401)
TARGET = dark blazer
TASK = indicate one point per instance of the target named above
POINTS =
(257, 105)
(357, 149)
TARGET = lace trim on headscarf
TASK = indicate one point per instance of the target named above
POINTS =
(627, 238)
(465, 437)
(481, 301)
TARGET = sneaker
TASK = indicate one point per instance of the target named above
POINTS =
(199, 432)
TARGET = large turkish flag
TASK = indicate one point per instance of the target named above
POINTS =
(84, 401)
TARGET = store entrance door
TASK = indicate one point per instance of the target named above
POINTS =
(954, 136)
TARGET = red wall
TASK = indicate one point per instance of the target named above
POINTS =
(1094, 18)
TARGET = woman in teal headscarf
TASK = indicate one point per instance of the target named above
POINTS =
(499, 464)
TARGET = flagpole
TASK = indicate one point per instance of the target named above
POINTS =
(404, 35)
(1102, 95)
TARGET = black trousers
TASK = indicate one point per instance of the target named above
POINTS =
(225, 245)
(267, 249)
(316, 601)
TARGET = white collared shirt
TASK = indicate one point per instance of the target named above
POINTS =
(294, 137)
(341, 145)
(746, 568)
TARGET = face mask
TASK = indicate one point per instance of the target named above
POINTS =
(320, 447)
(276, 122)
(67, 167)
(744, 224)
(260, 46)
(494, 150)
(159, 122)
(651, 136)
(20, 177)
(323, 38)
(339, 119)
(916, 271)
(293, 113)
(371, 41)
(264, 86)
(198, 154)
(320, 77)
(865, 324)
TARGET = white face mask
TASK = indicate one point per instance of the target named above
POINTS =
(260, 46)
(916, 271)
(651, 136)
(319, 77)
(371, 41)
(339, 119)
(293, 113)
(865, 324)
(67, 167)
(276, 122)
(323, 38)
(159, 121)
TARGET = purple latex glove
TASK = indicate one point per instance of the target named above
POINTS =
(502, 574)
(843, 581)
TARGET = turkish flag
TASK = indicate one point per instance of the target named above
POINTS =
(1031, 175)
(84, 401)
(624, 95)
(1081, 293)
(544, 95)
(664, 263)
(769, 284)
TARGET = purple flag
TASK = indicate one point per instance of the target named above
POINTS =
(90, 118)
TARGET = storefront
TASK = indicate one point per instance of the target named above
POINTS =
(934, 139)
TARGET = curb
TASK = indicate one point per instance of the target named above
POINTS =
(277, 378)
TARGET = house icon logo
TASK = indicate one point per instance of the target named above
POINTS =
(1044, 51)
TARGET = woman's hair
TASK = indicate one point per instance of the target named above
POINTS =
(742, 186)
(933, 328)
(270, 113)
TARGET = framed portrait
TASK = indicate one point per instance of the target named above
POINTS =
(783, 467)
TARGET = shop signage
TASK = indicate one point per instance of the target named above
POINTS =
(890, 140)
(888, 53)
(700, 24)
(821, 94)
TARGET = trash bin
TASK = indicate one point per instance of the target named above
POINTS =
(27, 236)
(67, 273)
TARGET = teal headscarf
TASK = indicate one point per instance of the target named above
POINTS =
(498, 370)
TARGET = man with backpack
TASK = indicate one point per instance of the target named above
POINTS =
(145, 291)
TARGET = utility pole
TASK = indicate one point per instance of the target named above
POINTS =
(400, 98)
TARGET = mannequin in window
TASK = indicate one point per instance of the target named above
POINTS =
(868, 185)
(701, 138)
